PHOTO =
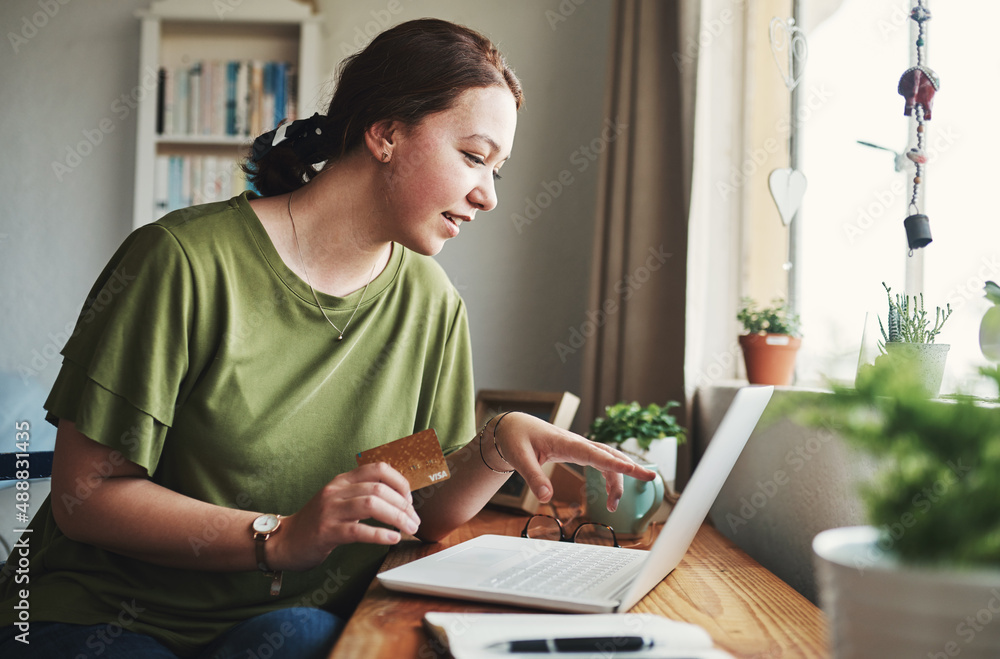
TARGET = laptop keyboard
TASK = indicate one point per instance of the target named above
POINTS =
(565, 571)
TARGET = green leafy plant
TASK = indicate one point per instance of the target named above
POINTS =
(936, 494)
(623, 421)
(908, 322)
(777, 319)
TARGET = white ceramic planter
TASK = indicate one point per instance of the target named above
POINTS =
(880, 609)
(929, 359)
(662, 453)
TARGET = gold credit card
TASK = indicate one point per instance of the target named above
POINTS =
(418, 457)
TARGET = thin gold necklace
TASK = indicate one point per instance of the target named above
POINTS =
(371, 276)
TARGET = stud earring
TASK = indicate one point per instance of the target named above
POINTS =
(385, 156)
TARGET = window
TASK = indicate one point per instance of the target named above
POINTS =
(851, 231)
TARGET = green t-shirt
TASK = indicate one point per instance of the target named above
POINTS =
(200, 356)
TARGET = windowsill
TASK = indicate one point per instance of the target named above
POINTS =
(734, 385)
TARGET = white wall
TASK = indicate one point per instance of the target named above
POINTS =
(524, 289)
(59, 82)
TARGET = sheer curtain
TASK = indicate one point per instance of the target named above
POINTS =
(715, 225)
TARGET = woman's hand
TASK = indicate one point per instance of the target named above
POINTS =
(333, 517)
(526, 443)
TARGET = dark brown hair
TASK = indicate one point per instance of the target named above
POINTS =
(406, 73)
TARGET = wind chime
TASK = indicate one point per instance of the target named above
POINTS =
(918, 85)
(790, 51)
(788, 185)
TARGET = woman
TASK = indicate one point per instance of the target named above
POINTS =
(233, 359)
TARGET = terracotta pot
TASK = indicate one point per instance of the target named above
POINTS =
(770, 358)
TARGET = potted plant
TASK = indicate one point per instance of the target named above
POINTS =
(909, 335)
(771, 342)
(922, 579)
(651, 434)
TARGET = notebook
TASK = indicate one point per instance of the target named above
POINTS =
(576, 578)
(478, 635)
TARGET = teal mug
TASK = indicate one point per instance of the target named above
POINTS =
(640, 501)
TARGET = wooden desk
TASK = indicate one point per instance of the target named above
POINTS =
(747, 610)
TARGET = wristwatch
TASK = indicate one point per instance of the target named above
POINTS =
(262, 528)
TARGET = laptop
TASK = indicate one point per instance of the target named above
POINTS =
(577, 578)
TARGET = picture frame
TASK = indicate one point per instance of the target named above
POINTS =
(557, 407)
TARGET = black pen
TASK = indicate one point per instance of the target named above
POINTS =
(586, 644)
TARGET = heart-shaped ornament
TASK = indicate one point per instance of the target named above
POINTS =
(788, 186)
(788, 43)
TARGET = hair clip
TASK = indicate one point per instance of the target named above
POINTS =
(288, 131)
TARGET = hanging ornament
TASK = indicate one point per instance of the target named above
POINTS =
(785, 34)
(790, 51)
(788, 187)
(918, 85)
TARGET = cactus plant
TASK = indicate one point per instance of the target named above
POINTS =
(907, 321)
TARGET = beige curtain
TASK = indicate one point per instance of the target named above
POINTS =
(637, 299)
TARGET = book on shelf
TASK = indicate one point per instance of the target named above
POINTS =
(194, 101)
(225, 98)
(182, 181)
(161, 84)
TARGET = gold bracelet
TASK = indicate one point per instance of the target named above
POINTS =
(483, 457)
(495, 426)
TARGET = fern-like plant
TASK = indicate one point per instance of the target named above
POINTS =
(908, 322)
(936, 496)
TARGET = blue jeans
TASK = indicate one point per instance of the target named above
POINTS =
(294, 633)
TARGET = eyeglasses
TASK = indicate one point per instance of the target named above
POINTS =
(547, 527)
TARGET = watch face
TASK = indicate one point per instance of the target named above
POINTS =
(265, 523)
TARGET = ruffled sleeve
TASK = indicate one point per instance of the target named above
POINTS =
(126, 361)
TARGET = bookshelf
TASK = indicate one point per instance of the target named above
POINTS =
(212, 76)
